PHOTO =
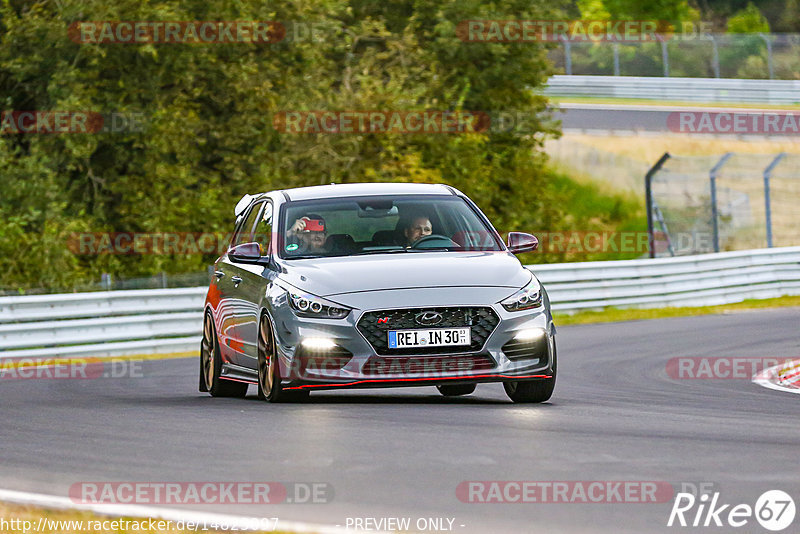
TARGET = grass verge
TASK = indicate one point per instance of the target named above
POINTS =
(579, 205)
(613, 315)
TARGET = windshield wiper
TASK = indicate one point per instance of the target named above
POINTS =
(383, 251)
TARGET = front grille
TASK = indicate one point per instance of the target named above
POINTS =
(524, 350)
(414, 365)
(481, 320)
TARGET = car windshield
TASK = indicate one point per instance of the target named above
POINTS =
(382, 225)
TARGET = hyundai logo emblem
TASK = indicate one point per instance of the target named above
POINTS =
(428, 318)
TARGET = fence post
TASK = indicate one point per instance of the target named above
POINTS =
(715, 50)
(616, 59)
(770, 66)
(567, 55)
(767, 173)
(105, 281)
(664, 54)
(712, 175)
(648, 196)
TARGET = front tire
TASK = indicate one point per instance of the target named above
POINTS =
(534, 390)
(211, 365)
(269, 376)
(456, 390)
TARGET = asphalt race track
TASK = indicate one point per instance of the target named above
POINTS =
(616, 415)
(653, 119)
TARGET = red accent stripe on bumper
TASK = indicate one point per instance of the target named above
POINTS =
(439, 379)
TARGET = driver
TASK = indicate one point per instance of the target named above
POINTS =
(418, 227)
(309, 233)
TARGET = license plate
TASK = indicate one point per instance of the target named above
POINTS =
(435, 337)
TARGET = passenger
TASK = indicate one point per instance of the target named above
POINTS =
(309, 233)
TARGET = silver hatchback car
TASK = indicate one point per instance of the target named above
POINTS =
(374, 285)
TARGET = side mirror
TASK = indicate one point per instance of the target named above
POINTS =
(248, 253)
(519, 242)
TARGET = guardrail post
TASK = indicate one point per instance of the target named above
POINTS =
(616, 59)
(648, 194)
(567, 55)
(712, 175)
(768, 209)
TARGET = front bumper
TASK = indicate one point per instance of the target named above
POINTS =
(355, 363)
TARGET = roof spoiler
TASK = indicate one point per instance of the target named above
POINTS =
(242, 205)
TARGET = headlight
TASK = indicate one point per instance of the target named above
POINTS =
(311, 306)
(526, 298)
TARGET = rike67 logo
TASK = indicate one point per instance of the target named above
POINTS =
(774, 510)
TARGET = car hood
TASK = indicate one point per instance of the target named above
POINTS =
(327, 277)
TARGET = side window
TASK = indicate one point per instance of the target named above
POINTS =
(264, 229)
(245, 232)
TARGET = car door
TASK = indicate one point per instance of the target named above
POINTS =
(234, 308)
(250, 292)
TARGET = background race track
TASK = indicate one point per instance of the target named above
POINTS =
(615, 415)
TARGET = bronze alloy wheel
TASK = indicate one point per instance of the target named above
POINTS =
(266, 361)
(207, 349)
(269, 376)
(211, 365)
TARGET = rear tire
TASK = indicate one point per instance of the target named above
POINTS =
(269, 376)
(533, 390)
(211, 365)
(456, 390)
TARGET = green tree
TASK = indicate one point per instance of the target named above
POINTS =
(209, 137)
(748, 20)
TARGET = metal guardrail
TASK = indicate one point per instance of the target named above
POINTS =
(170, 320)
(100, 324)
(702, 280)
(676, 89)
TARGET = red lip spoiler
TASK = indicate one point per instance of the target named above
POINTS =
(426, 379)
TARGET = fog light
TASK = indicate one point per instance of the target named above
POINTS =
(530, 334)
(318, 343)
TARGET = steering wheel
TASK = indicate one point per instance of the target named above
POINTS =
(444, 241)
